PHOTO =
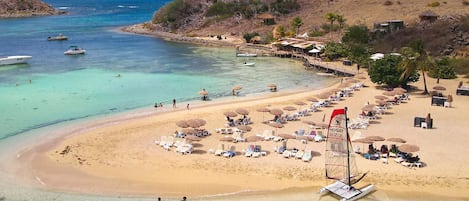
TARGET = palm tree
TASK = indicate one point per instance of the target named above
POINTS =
(415, 58)
(297, 23)
(341, 20)
(331, 17)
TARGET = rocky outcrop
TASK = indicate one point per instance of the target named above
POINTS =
(25, 8)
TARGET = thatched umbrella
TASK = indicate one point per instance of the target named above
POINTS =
(195, 123)
(324, 95)
(400, 89)
(305, 137)
(322, 125)
(189, 131)
(192, 138)
(245, 128)
(276, 112)
(389, 93)
(369, 108)
(439, 88)
(381, 102)
(276, 125)
(408, 148)
(242, 111)
(237, 87)
(271, 85)
(263, 110)
(289, 108)
(227, 139)
(398, 92)
(374, 138)
(364, 141)
(309, 122)
(380, 97)
(312, 99)
(254, 138)
(352, 80)
(182, 124)
(286, 136)
(230, 114)
(360, 77)
(300, 103)
(395, 139)
(203, 92)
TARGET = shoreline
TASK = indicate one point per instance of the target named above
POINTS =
(396, 179)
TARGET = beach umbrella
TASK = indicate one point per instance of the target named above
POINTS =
(381, 102)
(263, 110)
(237, 87)
(299, 103)
(276, 125)
(245, 128)
(335, 90)
(380, 97)
(400, 89)
(322, 125)
(230, 114)
(289, 108)
(182, 124)
(305, 137)
(189, 131)
(364, 141)
(195, 123)
(286, 136)
(324, 95)
(242, 111)
(203, 93)
(352, 80)
(450, 98)
(254, 138)
(439, 88)
(276, 112)
(395, 139)
(271, 85)
(408, 148)
(344, 85)
(389, 93)
(370, 108)
(312, 99)
(192, 138)
(309, 122)
(374, 138)
(227, 139)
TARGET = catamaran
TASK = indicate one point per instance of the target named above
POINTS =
(340, 163)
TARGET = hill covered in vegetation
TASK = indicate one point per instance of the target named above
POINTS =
(25, 8)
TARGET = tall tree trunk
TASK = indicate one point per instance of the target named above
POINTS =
(425, 91)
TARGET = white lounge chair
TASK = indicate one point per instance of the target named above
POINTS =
(299, 154)
(220, 150)
(307, 156)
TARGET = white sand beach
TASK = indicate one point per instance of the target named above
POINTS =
(118, 156)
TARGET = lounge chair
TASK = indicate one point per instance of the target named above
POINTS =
(249, 151)
(307, 156)
(257, 151)
(299, 154)
(286, 154)
(238, 137)
(220, 150)
(230, 153)
(163, 140)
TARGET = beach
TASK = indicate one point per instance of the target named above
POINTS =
(118, 155)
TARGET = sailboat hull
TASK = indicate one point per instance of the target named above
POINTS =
(346, 192)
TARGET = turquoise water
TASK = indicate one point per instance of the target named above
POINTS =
(53, 88)
(63, 87)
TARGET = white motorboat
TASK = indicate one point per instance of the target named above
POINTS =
(58, 37)
(75, 50)
(249, 63)
(340, 163)
(8, 60)
(246, 54)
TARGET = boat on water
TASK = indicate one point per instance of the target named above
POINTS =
(326, 74)
(340, 161)
(246, 54)
(58, 37)
(75, 50)
(249, 63)
(9, 60)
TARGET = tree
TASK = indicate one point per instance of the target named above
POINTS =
(415, 58)
(387, 71)
(334, 50)
(280, 31)
(341, 20)
(331, 17)
(358, 34)
(297, 23)
(442, 70)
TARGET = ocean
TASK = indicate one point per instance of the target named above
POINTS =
(53, 89)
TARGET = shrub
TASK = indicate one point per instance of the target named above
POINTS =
(460, 65)
(442, 70)
(387, 3)
(248, 36)
(316, 33)
(434, 4)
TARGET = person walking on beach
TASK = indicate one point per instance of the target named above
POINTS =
(156, 105)
(174, 103)
(161, 105)
(187, 106)
(184, 198)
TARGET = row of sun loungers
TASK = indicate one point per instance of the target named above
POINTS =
(167, 142)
